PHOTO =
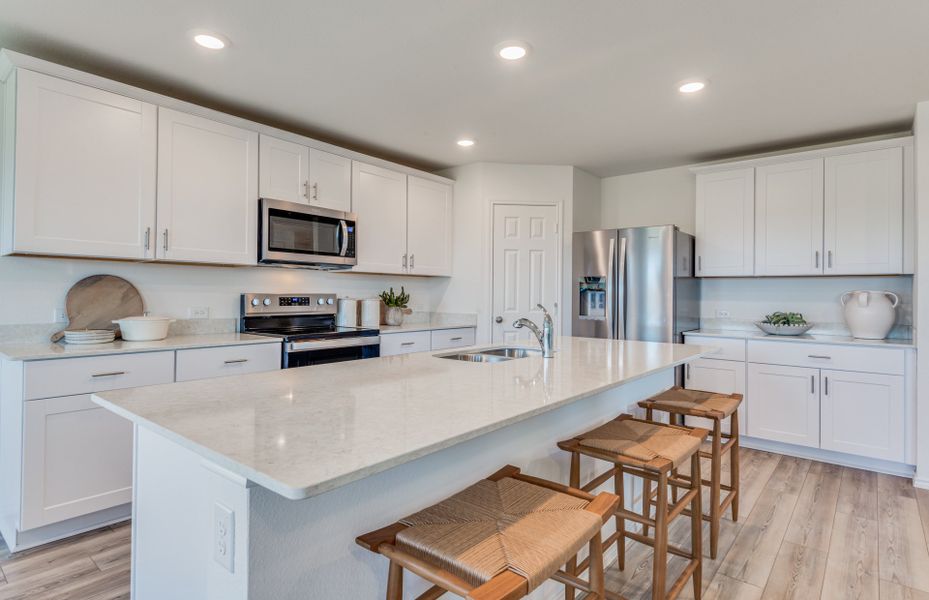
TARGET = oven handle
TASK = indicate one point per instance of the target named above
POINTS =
(344, 228)
(336, 343)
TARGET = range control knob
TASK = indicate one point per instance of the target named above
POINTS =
(330, 301)
(255, 301)
(320, 301)
(267, 302)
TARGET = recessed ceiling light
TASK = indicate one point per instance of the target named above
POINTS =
(210, 41)
(466, 143)
(690, 87)
(512, 50)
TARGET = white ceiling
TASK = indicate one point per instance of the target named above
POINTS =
(404, 79)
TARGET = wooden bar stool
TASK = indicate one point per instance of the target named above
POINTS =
(498, 539)
(681, 402)
(651, 451)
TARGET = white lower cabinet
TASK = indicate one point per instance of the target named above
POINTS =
(783, 404)
(862, 413)
(77, 459)
(421, 341)
(443, 339)
(207, 363)
(720, 376)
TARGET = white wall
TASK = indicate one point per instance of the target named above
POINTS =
(665, 196)
(32, 288)
(587, 201)
(921, 129)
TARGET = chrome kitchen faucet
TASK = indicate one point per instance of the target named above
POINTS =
(544, 335)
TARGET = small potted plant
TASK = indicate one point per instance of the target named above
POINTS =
(395, 304)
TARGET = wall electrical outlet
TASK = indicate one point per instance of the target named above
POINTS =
(198, 312)
(722, 314)
(59, 315)
(224, 536)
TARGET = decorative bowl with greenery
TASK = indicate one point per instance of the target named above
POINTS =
(395, 304)
(781, 323)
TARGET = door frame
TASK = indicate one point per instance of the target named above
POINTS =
(559, 262)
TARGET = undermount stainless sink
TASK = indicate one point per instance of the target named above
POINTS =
(492, 355)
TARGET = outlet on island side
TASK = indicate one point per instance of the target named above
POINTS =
(224, 536)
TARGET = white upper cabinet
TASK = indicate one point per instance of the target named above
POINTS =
(297, 173)
(283, 170)
(429, 227)
(725, 223)
(330, 181)
(864, 213)
(789, 218)
(84, 163)
(207, 190)
(379, 201)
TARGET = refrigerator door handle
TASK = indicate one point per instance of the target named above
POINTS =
(621, 293)
(611, 332)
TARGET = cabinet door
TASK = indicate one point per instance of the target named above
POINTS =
(379, 203)
(862, 414)
(789, 218)
(429, 227)
(864, 213)
(283, 170)
(331, 180)
(721, 376)
(77, 459)
(393, 344)
(725, 223)
(207, 190)
(783, 404)
(85, 170)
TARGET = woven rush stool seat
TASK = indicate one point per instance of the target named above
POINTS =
(507, 533)
(680, 403)
(652, 451)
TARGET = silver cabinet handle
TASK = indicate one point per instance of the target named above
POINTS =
(412, 259)
(306, 190)
(166, 240)
(316, 191)
(148, 238)
(498, 320)
(688, 371)
(699, 264)
(816, 265)
(827, 386)
(456, 339)
(812, 384)
(111, 374)
(820, 356)
(404, 261)
(407, 343)
(236, 361)
(829, 258)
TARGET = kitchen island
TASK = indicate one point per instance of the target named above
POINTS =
(256, 486)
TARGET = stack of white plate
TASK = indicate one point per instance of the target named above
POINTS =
(90, 336)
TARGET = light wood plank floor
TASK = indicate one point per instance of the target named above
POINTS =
(808, 530)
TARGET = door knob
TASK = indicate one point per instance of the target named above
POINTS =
(499, 319)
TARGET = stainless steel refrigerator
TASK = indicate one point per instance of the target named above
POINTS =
(636, 284)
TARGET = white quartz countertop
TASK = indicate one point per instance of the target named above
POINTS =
(815, 338)
(427, 326)
(47, 350)
(301, 432)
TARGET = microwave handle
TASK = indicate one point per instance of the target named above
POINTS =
(343, 226)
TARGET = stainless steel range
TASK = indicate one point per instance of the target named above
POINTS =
(306, 324)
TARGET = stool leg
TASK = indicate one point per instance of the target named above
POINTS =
(734, 464)
(660, 567)
(646, 489)
(715, 473)
(575, 482)
(395, 582)
(696, 524)
(595, 568)
(619, 488)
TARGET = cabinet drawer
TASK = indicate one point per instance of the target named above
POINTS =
(405, 343)
(728, 349)
(443, 339)
(205, 363)
(71, 376)
(825, 356)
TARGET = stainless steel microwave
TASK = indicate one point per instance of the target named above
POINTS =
(299, 235)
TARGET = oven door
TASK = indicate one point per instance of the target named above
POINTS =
(298, 234)
(320, 352)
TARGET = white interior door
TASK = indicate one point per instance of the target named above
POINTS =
(525, 268)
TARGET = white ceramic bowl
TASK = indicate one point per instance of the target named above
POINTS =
(144, 329)
(784, 329)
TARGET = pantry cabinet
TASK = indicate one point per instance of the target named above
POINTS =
(84, 165)
(789, 218)
(297, 173)
(864, 213)
(783, 404)
(429, 227)
(379, 203)
(862, 413)
(725, 240)
(207, 190)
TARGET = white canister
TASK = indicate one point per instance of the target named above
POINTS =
(371, 312)
(348, 313)
(870, 313)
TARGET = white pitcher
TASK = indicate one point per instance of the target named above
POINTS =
(870, 313)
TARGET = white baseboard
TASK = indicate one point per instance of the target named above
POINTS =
(828, 456)
(921, 483)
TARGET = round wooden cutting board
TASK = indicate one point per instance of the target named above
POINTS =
(95, 301)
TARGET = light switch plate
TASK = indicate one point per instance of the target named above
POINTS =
(722, 314)
(224, 536)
